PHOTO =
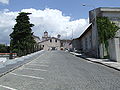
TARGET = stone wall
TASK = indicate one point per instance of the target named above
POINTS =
(114, 49)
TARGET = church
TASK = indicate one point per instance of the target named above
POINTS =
(50, 43)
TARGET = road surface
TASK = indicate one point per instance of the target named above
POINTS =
(58, 70)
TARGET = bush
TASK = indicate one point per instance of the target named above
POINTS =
(4, 49)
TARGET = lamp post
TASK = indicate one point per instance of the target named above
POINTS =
(72, 33)
(95, 26)
(66, 38)
(94, 11)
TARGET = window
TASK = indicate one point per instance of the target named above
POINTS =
(61, 45)
(55, 40)
(50, 40)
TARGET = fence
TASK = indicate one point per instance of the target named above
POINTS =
(7, 55)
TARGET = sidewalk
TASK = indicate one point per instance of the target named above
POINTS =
(105, 62)
(7, 66)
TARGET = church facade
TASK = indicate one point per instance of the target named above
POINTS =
(50, 43)
(54, 43)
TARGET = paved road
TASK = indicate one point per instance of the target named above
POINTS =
(57, 70)
(11, 64)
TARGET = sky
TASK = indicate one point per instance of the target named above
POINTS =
(55, 16)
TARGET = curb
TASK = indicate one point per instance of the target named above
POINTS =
(97, 62)
(103, 64)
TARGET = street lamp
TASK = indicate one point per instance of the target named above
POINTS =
(94, 11)
(72, 33)
(66, 37)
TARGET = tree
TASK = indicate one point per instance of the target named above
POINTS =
(4, 49)
(22, 36)
(106, 30)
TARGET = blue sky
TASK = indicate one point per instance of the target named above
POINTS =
(54, 16)
(73, 8)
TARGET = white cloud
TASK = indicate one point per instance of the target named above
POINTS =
(51, 20)
(4, 1)
(7, 21)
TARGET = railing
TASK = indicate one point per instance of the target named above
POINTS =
(7, 55)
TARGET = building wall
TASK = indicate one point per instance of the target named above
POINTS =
(65, 44)
(114, 44)
(114, 15)
(47, 45)
(86, 43)
(111, 14)
(114, 49)
(36, 38)
(86, 40)
(92, 16)
(76, 44)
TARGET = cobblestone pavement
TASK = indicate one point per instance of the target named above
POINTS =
(57, 70)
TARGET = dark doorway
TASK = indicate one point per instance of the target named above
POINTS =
(53, 48)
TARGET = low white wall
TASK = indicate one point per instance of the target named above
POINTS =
(114, 49)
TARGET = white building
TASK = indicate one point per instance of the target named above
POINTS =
(50, 44)
(53, 43)
(66, 44)
(45, 37)
(36, 38)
